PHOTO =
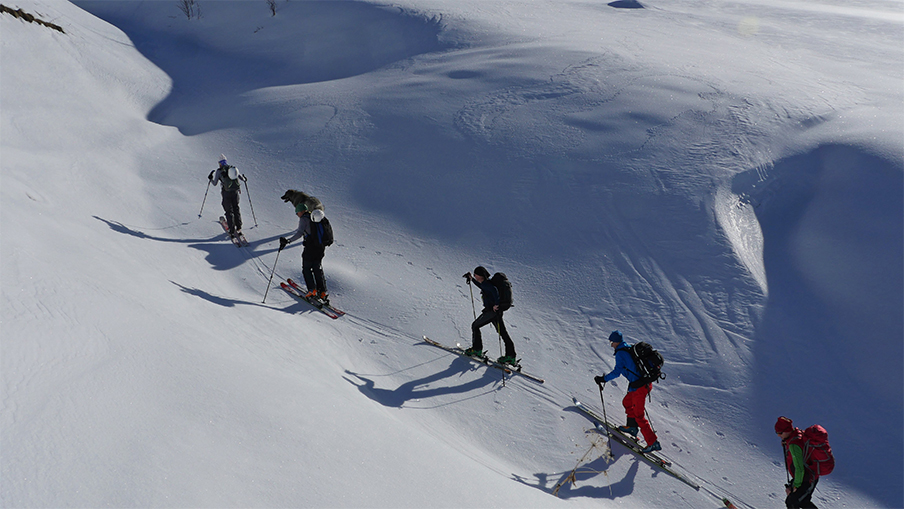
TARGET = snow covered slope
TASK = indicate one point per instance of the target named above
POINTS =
(723, 179)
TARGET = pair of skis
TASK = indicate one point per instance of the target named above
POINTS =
(631, 444)
(505, 368)
(238, 238)
(293, 289)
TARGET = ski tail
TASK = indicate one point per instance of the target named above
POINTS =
(234, 238)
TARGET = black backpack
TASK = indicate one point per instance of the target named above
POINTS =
(322, 232)
(504, 287)
(649, 364)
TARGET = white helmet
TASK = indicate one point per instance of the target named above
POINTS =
(232, 172)
(317, 215)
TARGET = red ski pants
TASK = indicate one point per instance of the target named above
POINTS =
(634, 408)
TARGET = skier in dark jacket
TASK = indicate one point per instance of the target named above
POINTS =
(803, 481)
(490, 314)
(228, 177)
(314, 250)
(635, 398)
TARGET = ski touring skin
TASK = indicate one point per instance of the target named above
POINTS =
(316, 305)
(505, 368)
(631, 444)
(238, 239)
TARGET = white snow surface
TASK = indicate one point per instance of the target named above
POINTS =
(721, 178)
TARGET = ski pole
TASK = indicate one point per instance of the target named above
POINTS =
(499, 333)
(249, 201)
(647, 414)
(205, 198)
(785, 456)
(271, 276)
(605, 418)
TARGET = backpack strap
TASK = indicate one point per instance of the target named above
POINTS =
(630, 350)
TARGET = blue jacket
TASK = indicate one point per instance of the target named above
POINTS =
(488, 293)
(624, 366)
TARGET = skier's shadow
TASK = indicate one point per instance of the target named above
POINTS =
(219, 250)
(577, 486)
(626, 4)
(216, 246)
(572, 484)
(118, 227)
(293, 309)
(419, 389)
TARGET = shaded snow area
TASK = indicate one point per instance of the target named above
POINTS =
(722, 179)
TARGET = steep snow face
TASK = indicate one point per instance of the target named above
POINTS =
(832, 223)
(721, 180)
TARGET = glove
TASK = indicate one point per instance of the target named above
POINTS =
(600, 380)
(210, 177)
(282, 243)
(244, 178)
(467, 276)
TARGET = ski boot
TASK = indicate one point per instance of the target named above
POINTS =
(475, 352)
(508, 359)
(652, 447)
(629, 430)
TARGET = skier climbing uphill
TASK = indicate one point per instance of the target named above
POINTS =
(493, 306)
(317, 233)
(636, 396)
(799, 489)
(228, 177)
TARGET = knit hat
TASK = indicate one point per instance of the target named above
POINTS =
(616, 337)
(300, 208)
(482, 272)
(783, 424)
(222, 160)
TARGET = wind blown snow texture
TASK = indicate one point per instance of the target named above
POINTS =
(723, 179)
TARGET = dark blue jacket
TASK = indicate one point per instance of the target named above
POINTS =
(488, 293)
(624, 366)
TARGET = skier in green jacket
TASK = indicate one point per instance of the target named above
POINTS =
(802, 483)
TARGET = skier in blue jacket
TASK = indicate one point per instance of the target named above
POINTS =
(635, 398)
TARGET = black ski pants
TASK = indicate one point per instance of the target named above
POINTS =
(312, 268)
(495, 317)
(232, 212)
(800, 498)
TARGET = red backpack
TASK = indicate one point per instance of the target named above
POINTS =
(817, 451)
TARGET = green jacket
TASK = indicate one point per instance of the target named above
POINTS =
(794, 458)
